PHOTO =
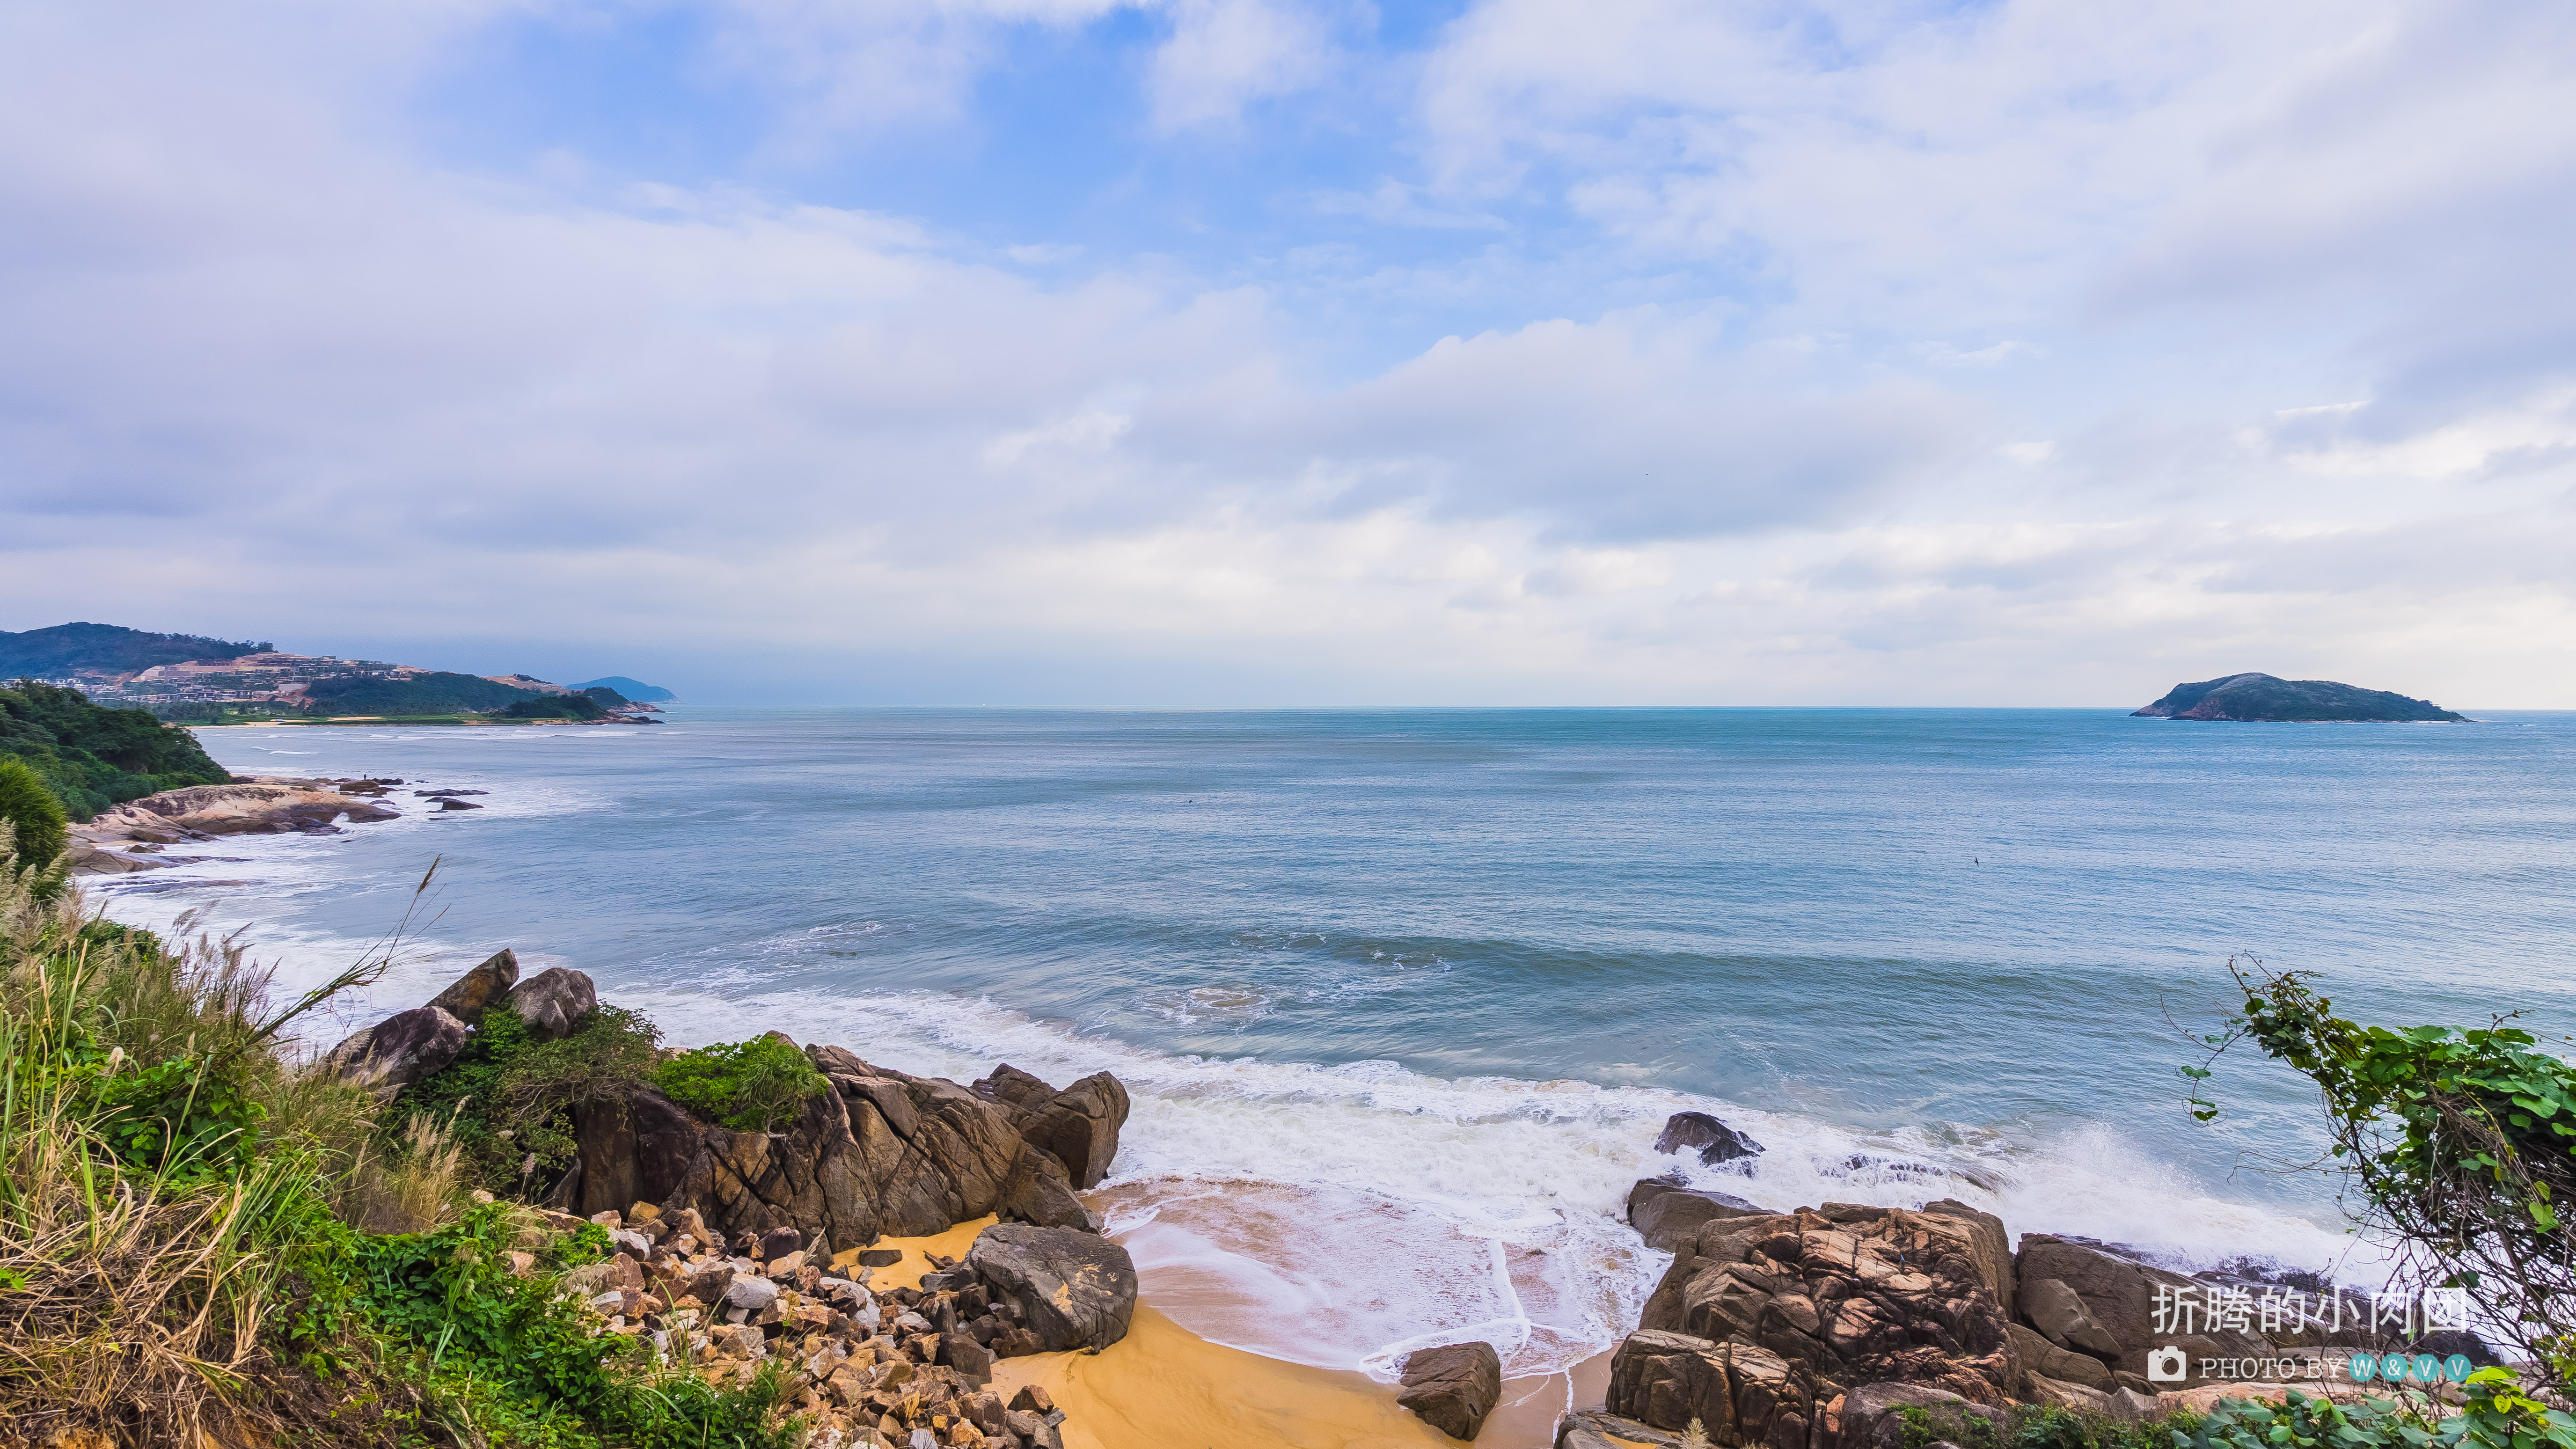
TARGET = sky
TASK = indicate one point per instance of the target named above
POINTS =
(1265, 352)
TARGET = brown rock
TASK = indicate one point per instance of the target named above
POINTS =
(1074, 1289)
(404, 1048)
(1667, 1214)
(1739, 1394)
(554, 1001)
(470, 995)
(1714, 1140)
(1453, 1387)
(1872, 1417)
(2039, 1356)
(1853, 1294)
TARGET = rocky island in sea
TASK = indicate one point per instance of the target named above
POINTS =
(2267, 699)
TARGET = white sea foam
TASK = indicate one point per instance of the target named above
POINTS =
(1341, 1215)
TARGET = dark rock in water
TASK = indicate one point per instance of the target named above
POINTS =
(1716, 1141)
(1667, 1214)
(553, 1002)
(1453, 1387)
(473, 993)
(1074, 1289)
(398, 1051)
(1738, 1393)
(458, 805)
(2262, 698)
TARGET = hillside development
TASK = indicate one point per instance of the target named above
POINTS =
(193, 679)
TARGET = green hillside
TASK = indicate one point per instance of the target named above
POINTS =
(66, 649)
(429, 694)
(93, 758)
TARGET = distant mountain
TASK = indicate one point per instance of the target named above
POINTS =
(634, 689)
(2261, 698)
(66, 651)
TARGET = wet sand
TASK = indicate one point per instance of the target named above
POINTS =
(1164, 1387)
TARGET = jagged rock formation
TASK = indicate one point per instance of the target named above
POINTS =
(131, 836)
(1667, 1214)
(2262, 698)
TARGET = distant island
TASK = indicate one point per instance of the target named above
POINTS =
(191, 679)
(2264, 699)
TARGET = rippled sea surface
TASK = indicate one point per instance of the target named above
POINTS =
(1406, 994)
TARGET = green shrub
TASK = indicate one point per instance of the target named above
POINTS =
(37, 824)
(509, 1097)
(92, 757)
(749, 1086)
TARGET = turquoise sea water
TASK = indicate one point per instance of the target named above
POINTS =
(1435, 977)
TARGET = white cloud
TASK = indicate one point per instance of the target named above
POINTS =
(1226, 54)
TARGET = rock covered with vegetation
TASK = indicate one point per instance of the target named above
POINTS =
(2262, 698)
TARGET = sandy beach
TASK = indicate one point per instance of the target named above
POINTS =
(1164, 1387)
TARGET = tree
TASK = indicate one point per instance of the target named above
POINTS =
(2461, 1144)
(37, 825)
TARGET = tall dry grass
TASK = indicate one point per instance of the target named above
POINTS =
(143, 1306)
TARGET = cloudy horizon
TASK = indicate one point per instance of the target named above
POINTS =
(1209, 352)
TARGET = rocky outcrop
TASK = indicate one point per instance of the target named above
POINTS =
(1667, 1214)
(553, 1002)
(1852, 1295)
(1452, 1387)
(1078, 1126)
(882, 1152)
(404, 1048)
(472, 994)
(126, 838)
(1601, 1429)
(1737, 1393)
(1073, 1289)
(1714, 1141)
(1873, 1417)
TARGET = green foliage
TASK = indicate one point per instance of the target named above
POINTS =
(438, 693)
(515, 1355)
(749, 1086)
(34, 817)
(183, 1119)
(92, 758)
(508, 1095)
(2302, 1422)
(66, 649)
(557, 706)
(2462, 1144)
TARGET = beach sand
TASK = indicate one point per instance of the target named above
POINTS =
(1164, 1387)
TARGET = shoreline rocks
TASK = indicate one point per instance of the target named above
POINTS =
(252, 805)
(1453, 1387)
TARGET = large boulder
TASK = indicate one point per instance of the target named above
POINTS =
(1601, 1429)
(404, 1048)
(2049, 1360)
(1873, 1416)
(2112, 1312)
(2059, 1315)
(1075, 1289)
(1452, 1387)
(470, 995)
(881, 1152)
(1077, 1126)
(1713, 1140)
(1667, 1214)
(553, 1002)
(1854, 1295)
(1738, 1394)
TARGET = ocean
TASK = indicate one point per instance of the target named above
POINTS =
(1404, 996)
